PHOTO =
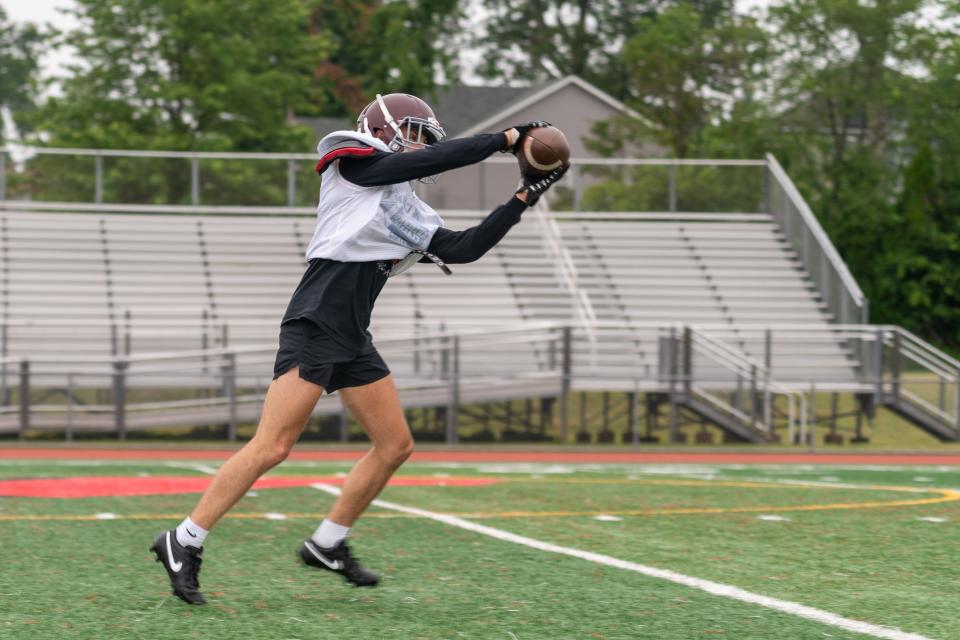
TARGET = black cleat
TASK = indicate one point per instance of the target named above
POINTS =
(182, 565)
(339, 560)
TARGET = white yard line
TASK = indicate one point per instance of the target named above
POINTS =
(715, 588)
(202, 468)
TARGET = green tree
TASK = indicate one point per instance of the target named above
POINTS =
(19, 49)
(179, 75)
(848, 72)
(841, 77)
(688, 68)
(548, 39)
(693, 70)
(920, 284)
(381, 46)
(194, 74)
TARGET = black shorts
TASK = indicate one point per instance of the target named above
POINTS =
(324, 362)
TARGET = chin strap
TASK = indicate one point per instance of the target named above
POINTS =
(389, 118)
(399, 266)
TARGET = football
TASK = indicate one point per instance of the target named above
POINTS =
(543, 150)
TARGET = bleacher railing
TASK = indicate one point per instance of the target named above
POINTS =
(704, 368)
(566, 268)
(227, 386)
(263, 179)
(912, 370)
(886, 364)
(97, 173)
(737, 370)
(826, 268)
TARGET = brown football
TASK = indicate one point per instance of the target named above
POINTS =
(543, 149)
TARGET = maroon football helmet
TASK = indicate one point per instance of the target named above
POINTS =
(401, 121)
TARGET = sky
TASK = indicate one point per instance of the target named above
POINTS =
(34, 10)
(42, 12)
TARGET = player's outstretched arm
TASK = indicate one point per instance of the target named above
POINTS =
(457, 247)
(382, 168)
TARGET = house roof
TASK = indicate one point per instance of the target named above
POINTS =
(536, 93)
(460, 108)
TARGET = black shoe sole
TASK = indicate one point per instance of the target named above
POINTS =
(173, 590)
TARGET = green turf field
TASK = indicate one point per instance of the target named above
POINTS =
(869, 544)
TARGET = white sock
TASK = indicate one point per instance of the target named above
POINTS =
(190, 534)
(329, 533)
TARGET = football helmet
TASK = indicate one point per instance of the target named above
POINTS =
(401, 120)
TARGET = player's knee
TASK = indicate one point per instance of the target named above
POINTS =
(396, 452)
(279, 453)
(406, 449)
(274, 452)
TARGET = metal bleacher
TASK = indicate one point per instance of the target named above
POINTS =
(729, 272)
(691, 306)
(145, 284)
(107, 284)
(128, 288)
(52, 268)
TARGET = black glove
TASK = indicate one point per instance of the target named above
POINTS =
(536, 187)
(523, 129)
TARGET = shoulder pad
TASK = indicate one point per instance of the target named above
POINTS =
(346, 144)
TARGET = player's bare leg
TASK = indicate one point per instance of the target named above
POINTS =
(288, 404)
(377, 407)
(290, 401)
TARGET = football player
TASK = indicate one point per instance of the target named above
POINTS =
(370, 226)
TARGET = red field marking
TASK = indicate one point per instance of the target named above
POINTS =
(492, 455)
(115, 486)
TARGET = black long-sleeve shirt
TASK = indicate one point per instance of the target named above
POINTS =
(382, 167)
(339, 296)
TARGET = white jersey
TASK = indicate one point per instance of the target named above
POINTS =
(363, 224)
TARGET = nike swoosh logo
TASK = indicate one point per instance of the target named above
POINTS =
(190, 533)
(336, 565)
(174, 565)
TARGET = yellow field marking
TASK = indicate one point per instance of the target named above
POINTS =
(730, 483)
(679, 482)
(945, 495)
(696, 483)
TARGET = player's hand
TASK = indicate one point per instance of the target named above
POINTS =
(532, 188)
(516, 133)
